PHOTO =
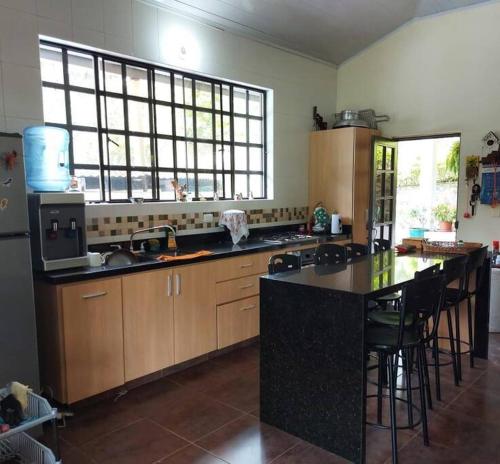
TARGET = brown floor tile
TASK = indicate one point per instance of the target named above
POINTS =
(96, 421)
(144, 401)
(206, 375)
(483, 405)
(73, 455)
(142, 442)
(243, 359)
(242, 392)
(416, 453)
(379, 445)
(192, 414)
(306, 453)
(192, 455)
(247, 441)
(453, 429)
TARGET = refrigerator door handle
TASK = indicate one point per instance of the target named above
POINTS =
(94, 295)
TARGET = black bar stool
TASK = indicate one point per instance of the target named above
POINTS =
(329, 253)
(283, 263)
(474, 264)
(421, 300)
(356, 249)
(453, 270)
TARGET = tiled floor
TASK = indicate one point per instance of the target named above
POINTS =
(208, 414)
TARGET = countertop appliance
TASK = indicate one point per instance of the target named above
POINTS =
(58, 238)
(495, 300)
(336, 224)
(18, 346)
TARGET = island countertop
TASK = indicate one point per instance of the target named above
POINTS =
(371, 275)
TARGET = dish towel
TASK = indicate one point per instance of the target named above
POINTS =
(236, 221)
(198, 254)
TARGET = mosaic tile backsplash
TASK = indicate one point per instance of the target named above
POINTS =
(125, 225)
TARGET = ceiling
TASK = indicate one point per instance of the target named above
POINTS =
(331, 30)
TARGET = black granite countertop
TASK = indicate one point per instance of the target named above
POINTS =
(148, 261)
(366, 275)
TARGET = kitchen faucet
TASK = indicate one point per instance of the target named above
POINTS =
(138, 231)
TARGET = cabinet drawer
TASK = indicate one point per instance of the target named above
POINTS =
(237, 321)
(236, 289)
(233, 268)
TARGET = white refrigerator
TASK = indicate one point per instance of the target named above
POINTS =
(18, 346)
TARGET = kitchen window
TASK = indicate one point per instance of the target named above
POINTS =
(135, 126)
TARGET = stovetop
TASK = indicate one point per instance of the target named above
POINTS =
(286, 237)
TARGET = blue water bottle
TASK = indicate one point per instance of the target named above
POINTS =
(46, 158)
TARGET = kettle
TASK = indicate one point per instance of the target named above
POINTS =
(336, 224)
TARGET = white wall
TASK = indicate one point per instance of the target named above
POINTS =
(436, 75)
(140, 30)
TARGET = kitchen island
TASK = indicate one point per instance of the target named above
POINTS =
(313, 357)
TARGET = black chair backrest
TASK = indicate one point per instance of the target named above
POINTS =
(356, 249)
(476, 260)
(426, 273)
(381, 244)
(423, 299)
(329, 253)
(455, 269)
(283, 263)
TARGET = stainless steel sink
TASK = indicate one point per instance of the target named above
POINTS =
(124, 257)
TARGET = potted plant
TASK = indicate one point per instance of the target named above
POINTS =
(445, 214)
(418, 218)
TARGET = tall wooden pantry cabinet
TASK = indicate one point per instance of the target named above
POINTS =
(340, 166)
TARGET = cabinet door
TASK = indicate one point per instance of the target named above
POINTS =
(237, 321)
(195, 318)
(148, 322)
(93, 337)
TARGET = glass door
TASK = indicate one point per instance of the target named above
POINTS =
(383, 199)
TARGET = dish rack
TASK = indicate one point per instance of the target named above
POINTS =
(450, 247)
(17, 446)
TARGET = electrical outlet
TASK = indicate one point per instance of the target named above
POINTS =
(208, 217)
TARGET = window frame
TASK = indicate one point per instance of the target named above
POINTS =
(101, 95)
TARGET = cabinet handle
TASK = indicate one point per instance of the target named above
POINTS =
(243, 287)
(178, 284)
(243, 266)
(247, 308)
(169, 285)
(94, 295)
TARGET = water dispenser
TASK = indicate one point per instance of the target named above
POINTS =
(46, 158)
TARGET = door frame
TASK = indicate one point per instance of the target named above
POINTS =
(370, 223)
(407, 139)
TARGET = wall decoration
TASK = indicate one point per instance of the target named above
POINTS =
(4, 202)
(7, 182)
(319, 123)
(10, 160)
(490, 181)
(471, 176)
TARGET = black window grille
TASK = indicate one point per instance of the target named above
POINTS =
(134, 127)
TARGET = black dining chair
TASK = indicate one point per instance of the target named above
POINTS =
(454, 270)
(330, 253)
(356, 249)
(421, 301)
(381, 244)
(283, 263)
(392, 317)
(474, 266)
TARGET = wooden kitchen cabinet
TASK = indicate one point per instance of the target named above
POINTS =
(195, 318)
(148, 322)
(340, 173)
(237, 321)
(91, 314)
